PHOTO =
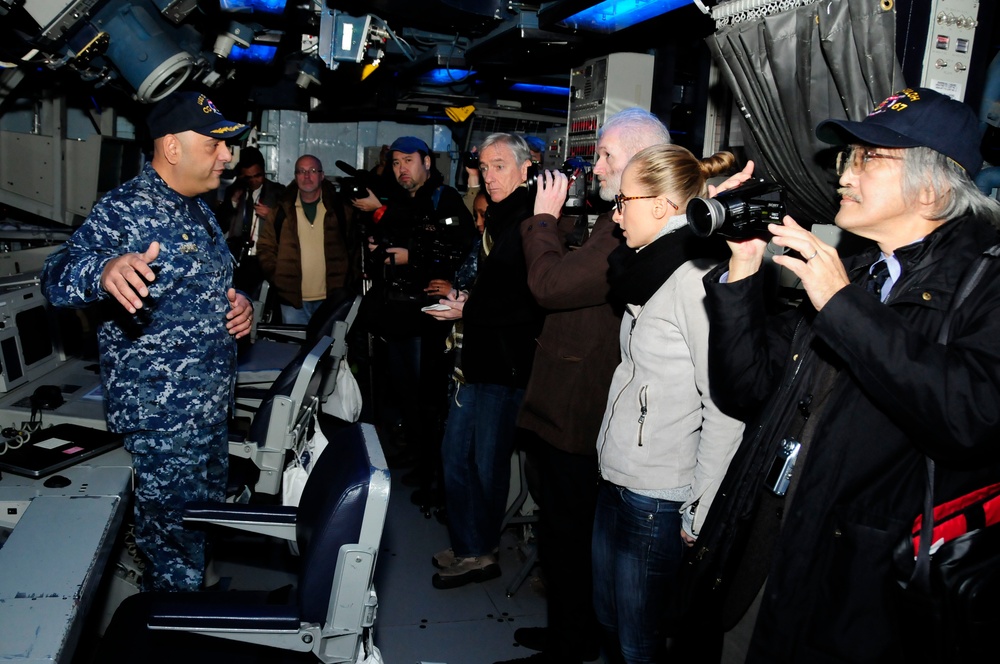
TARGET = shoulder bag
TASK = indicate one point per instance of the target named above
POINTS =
(948, 565)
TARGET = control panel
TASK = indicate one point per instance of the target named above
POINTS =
(949, 46)
(600, 88)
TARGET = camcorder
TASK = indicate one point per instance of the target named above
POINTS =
(470, 160)
(354, 188)
(578, 170)
(357, 185)
(740, 213)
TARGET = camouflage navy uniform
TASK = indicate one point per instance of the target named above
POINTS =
(169, 369)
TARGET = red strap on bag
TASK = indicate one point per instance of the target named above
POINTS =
(973, 511)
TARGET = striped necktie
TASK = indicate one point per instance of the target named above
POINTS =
(879, 273)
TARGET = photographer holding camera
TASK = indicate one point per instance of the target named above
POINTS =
(856, 382)
(245, 206)
(421, 234)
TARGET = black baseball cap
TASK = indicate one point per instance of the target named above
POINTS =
(914, 117)
(191, 111)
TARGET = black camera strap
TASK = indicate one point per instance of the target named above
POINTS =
(809, 408)
(765, 524)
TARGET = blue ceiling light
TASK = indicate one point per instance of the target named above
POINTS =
(541, 89)
(446, 76)
(613, 15)
(241, 6)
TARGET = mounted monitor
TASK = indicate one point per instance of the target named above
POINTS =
(28, 340)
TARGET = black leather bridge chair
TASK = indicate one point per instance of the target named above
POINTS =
(274, 346)
(338, 526)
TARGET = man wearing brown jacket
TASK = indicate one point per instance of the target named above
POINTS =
(576, 356)
(304, 247)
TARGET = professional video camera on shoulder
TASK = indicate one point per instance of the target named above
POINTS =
(358, 182)
(740, 213)
(578, 170)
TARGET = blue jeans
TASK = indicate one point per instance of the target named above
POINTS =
(637, 551)
(475, 454)
(292, 316)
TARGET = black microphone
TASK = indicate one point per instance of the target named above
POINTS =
(347, 168)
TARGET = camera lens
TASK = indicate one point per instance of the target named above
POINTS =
(705, 216)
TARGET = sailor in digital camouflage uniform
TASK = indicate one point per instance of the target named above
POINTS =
(153, 260)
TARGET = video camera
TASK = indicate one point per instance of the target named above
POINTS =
(470, 160)
(740, 213)
(578, 170)
(357, 185)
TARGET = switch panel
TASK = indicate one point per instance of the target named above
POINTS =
(949, 46)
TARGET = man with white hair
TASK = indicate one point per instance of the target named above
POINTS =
(856, 383)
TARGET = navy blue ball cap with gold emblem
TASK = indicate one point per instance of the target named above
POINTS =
(191, 111)
(914, 117)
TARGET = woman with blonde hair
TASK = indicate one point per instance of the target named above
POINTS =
(664, 446)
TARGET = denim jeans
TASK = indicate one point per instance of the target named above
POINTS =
(292, 316)
(637, 551)
(475, 454)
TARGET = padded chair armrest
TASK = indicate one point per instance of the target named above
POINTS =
(254, 393)
(275, 521)
(189, 615)
(282, 332)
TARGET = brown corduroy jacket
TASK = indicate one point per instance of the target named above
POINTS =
(578, 347)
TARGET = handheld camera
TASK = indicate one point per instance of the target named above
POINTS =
(740, 213)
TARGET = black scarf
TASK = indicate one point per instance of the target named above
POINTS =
(635, 275)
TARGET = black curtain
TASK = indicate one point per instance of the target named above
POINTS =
(790, 71)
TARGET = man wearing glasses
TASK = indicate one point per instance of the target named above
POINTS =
(855, 388)
(304, 247)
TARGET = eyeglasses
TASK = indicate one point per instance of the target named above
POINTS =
(308, 171)
(621, 200)
(857, 158)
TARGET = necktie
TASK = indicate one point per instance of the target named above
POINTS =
(879, 274)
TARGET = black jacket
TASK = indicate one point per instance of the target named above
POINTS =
(434, 225)
(501, 318)
(437, 229)
(270, 193)
(897, 396)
